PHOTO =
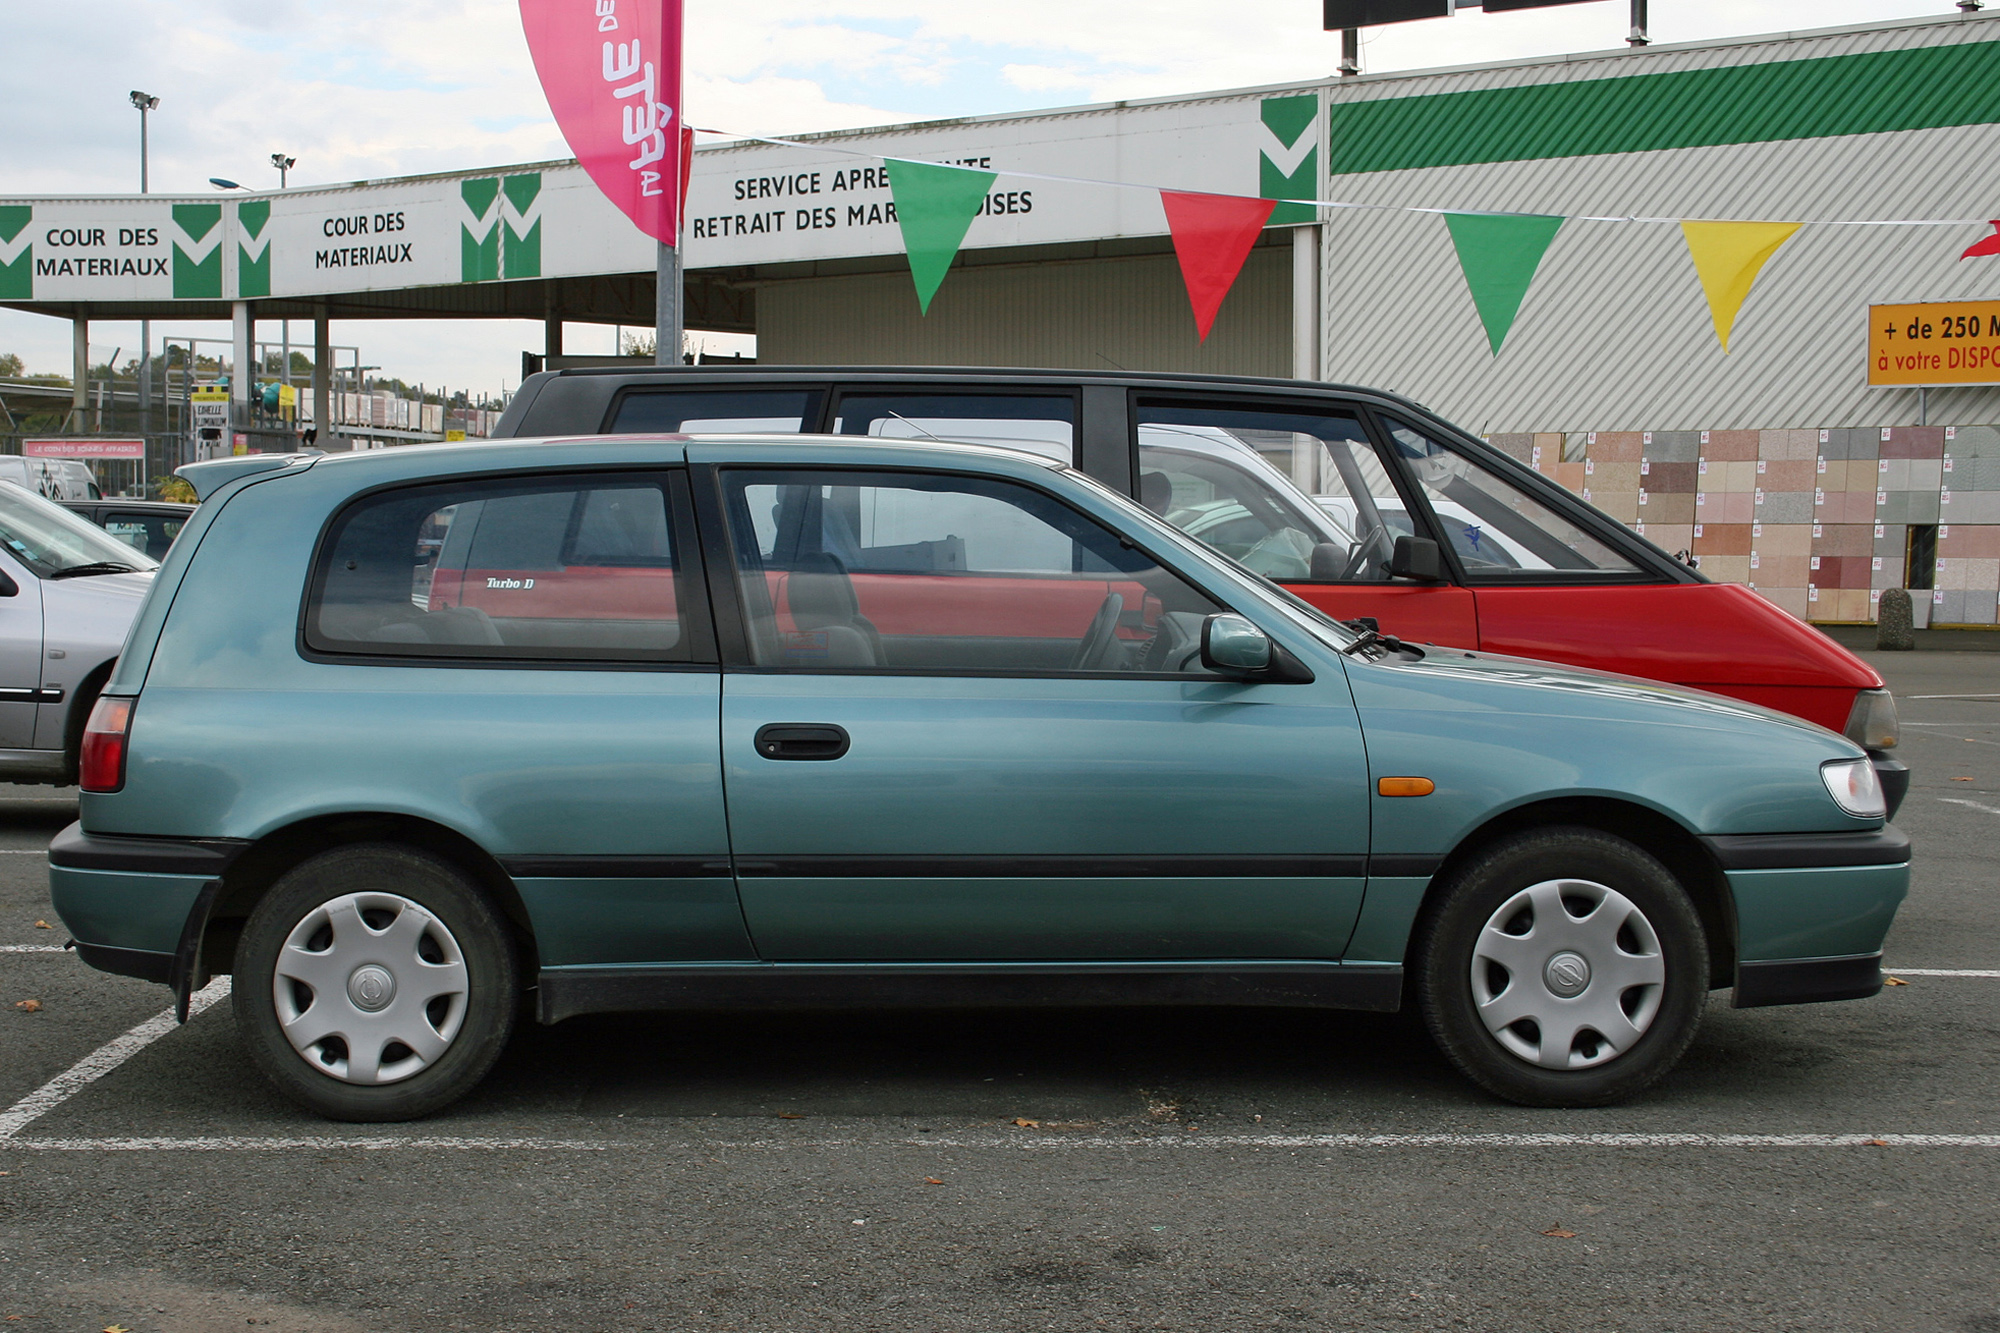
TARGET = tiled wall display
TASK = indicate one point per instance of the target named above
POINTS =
(1818, 521)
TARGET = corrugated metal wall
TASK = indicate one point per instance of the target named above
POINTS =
(1100, 314)
(1615, 334)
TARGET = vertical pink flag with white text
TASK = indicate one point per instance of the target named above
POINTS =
(612, 73)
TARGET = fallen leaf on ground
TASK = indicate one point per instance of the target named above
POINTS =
(932, 1180)
(1961, 779)
(1027, 1124)
(790, 1115)
(29, 1006)
(43, 925)
(1560, 1234)
(116, 1328)
(1874, 1143)
(1894, 981)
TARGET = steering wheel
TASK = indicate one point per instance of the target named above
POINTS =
(1102, 635)
(1377, 545)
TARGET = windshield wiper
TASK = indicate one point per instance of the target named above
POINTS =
(95, 567)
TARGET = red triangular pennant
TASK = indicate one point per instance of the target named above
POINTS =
(687, 166)
(1986, 245)
(1212, 235)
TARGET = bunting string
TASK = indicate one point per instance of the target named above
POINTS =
(1499, 252)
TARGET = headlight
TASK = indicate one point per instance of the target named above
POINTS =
(1854, 787)
(1871, 723)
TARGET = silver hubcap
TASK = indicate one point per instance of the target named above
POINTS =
(370, 988)
(1568, 974)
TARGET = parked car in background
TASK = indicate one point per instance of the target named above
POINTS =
(144, 525)
(68, 592)
(741, 720)
(55, 478)
(1243, 458)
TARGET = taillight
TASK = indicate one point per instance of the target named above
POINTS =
(101, 767)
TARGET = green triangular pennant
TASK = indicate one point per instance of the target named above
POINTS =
(1498, 253)
(934, 206)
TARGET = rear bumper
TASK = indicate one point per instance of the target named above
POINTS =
(1894, 775)
(127, 900)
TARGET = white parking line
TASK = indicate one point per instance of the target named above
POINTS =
(1952, 696)
(1960, 800)
(1031, 1142)
(32, 948)
(1939, 972)
(101, 1062)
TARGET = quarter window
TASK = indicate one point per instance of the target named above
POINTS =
(556, 569)
(894, 571)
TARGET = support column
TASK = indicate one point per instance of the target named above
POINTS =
(552, 334)
(242, 376)
(1306, 363)
(667, 314)
(79, 398)
(323, 416)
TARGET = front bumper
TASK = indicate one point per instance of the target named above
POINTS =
(1811, 911)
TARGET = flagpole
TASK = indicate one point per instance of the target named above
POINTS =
(667, 314)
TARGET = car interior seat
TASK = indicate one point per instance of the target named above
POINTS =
(826, 612)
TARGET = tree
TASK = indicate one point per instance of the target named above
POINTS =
(10, 366)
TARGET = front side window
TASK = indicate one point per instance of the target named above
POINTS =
(716, 411)
(1043, 424)
(1498, 531)
(557, 569)
(894, 571)
(1294, 496)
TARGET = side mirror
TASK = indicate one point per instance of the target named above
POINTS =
(1417, 558)
(1329, 562)
(1232, 645)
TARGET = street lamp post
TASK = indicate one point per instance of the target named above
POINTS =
(284, 165)
(145, 102)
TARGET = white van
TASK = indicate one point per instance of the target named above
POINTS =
(54, 478)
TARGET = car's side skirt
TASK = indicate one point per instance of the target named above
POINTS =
(565, 992)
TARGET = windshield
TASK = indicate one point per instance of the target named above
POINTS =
(48, 539)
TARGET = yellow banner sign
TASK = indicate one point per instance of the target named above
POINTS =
(1936, 342)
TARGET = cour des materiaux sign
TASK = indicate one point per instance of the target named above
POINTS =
(748, 203)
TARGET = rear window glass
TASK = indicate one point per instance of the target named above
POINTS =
(716, 411)
(575, 569)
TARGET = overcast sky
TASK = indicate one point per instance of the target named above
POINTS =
(364, 89)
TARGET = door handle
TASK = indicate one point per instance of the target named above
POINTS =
(801, 740)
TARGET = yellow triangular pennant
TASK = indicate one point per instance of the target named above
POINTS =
(1727, 256)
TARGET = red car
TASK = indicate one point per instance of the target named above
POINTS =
(1356, 500)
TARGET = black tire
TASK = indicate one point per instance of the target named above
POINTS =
(478, 1018)
(1449, 941)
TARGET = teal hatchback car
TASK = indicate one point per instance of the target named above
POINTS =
(400, 739)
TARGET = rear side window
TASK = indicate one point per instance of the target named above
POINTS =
(1042, 424)
(577, 569)
(716, 411)
(151, 533)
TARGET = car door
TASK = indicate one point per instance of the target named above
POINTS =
(1299, 493)
(20, 654)
(968, 722)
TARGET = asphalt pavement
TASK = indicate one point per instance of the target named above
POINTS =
(1823, 1167)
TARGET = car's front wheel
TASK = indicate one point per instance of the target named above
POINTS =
(374, 983)
(1562, 967)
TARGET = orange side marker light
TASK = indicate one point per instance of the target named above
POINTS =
(1404, 786)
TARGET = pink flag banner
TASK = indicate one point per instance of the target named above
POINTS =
(612, 72)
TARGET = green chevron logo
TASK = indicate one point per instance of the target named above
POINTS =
(521, 225)
(198, 252)
(479, 238)
(1288, 159)
(253, 249)
(17, 273)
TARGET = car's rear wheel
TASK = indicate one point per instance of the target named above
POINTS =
(1562, 967)
(374, 983)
